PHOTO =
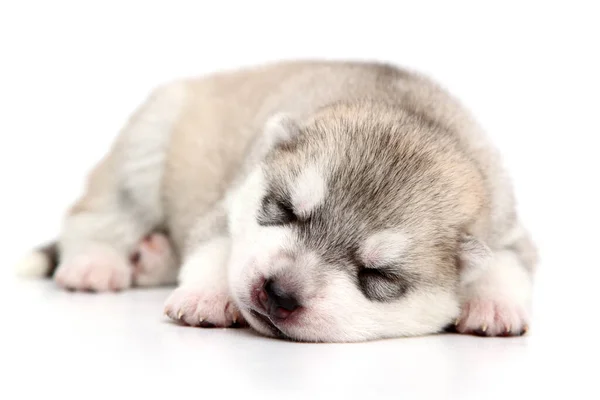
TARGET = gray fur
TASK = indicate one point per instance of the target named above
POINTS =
(396, 152)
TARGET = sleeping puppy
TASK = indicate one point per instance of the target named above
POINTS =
(314, 201)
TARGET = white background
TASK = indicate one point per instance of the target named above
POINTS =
(70, 74)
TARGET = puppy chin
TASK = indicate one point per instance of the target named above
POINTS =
(259, 324)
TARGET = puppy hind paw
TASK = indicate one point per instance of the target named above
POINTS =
(98, 269)
(154, 261)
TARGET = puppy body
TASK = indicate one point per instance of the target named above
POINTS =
(320, 201)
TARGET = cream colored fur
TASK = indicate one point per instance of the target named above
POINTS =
(182, 162)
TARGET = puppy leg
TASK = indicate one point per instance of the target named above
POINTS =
(203, 297)
(97, 236)
(122, 204)
(95, 246)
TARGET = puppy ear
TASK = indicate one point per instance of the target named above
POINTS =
(280, 129)
(474, 258)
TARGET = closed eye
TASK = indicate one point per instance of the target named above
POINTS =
(276, 212)
(286, 209)
(382, 284)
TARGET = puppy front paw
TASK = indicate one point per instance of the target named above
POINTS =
(205, 308)
(492, 317)
(97, 268)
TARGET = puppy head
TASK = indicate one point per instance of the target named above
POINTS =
(353, 227)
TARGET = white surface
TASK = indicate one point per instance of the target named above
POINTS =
(529, 73)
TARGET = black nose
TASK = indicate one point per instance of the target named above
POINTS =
(279, 304)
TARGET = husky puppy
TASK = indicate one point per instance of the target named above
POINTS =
(314, 201)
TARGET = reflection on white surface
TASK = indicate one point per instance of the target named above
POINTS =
(74, 343)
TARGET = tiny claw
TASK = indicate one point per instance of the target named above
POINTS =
(207, 324)
(457, 321)
(525, 329)
(484, 328)
(180, 314)
(166, 311)
(234, 318)
(508, 329)
(200, 319)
